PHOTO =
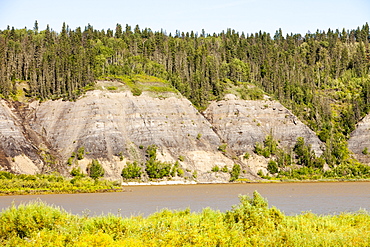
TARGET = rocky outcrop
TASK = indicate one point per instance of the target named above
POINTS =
(106, 124)
(109, 125)
(116, 127)
(242, 123)
(360, 140)
(17, 152)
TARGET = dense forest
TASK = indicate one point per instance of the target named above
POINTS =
(323, 77)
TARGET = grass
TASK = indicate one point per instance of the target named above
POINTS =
(11, 184)
(346, 172)
(251, 223)
(143, 83)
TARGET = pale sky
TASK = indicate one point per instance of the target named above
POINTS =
(248, 16)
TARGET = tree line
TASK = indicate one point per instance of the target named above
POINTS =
(323, 77)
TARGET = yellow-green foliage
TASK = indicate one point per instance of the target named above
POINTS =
(251, 223)
(41, 183)
(141, 82)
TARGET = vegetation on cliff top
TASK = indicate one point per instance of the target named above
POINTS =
(251, 223)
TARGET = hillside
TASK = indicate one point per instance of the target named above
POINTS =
(242, 123)
(359, 142)
(321, 80)
(18, 153)
(115, 127)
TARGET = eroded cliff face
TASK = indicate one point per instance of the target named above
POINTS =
(112, 125)
(242, 123)
(18, 152)
(116, 127)
(360, 140)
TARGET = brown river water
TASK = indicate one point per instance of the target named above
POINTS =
(291, 198)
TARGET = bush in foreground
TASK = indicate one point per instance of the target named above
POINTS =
(251, 223)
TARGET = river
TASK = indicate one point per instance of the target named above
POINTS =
(291, 198)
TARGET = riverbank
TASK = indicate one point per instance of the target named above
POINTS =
(250, 223)
(47, 192)
(11, 184)
(170, 182)
(240, 181)
(21, 184)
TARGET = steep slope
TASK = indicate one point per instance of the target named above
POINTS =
(115, 127)
(113, 124)
(360, 140)
(242, 123)
(17, 151)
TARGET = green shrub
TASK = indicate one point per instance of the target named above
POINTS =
(235, 172)
(222, 148)
(161, 89)
(272, 167)
(250, 223)
(270, 144)
(254, 215)
(173, 171)
(132, 170)
(136, 91)
(157, 169)
(356, 170)
(301, 173)
(225, 169)
(268, 148)
(25, 221)
(260, 173)
(70, 161)
(251, 93)
(6, 175)
(258, 148)
(283, 159)
(304, 153)
(246, 155)
(95, 169)
(180, 172)
(121, 157)
(53, 183)
(151, 150)
(215, 169)
(266, 153)
(76, 172)
(80, 153)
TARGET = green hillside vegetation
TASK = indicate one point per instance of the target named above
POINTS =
(251, 223)
(301, 163)
(323, 77)
(152, 169)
